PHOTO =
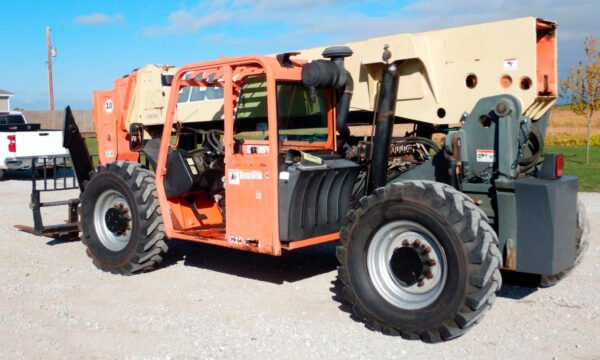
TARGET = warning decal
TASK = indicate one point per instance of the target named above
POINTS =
(233, 177)
(486, 156)
(250, 175)
(511, 64)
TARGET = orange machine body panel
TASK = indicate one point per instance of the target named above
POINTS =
(546, 58)
(110, 111)
(251, 184)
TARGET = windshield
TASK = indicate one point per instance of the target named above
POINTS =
(14, 119)
(298, 116)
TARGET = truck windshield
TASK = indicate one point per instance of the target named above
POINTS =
(299, 118)
(11, 119)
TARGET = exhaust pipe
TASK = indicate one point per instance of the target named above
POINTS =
(343, 109)
(321, 74)
(384, 126)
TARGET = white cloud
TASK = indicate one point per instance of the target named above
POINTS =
(342, 17)
(181, 22)
(307, 23)
(96, 19)
(239, 12)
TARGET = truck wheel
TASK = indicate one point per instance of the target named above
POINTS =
(2, 173)
(120, 219)
(581, 245)
(419, 259)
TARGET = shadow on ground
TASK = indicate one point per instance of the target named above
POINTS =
(290, 267)
(294, 266)
(517, 286)
(301, 264)
(60, 241)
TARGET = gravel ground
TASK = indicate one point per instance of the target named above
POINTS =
(213, 303)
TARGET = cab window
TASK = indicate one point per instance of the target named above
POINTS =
(251, 116)
(299, 117)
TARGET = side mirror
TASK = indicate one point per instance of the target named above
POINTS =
(136, 137)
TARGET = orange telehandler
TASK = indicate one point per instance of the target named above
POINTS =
(424, 227)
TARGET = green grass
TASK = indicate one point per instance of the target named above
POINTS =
(589, 175)
(92, 146)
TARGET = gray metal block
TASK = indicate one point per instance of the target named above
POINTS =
(546, 224)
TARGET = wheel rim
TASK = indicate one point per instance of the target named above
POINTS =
(407, 265)
(112, 220)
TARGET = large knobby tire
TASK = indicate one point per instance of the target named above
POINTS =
(581, 244)
(389, 277)
(120, 219)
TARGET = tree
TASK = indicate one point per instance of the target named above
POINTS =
(583, 86)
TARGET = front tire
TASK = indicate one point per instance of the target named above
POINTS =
(120, 219)
(419, 259)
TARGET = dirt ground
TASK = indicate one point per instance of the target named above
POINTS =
(213, 303)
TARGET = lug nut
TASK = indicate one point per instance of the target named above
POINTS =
(431, 262)
(427, 250)
(417, 242)
(428, 275)
(405, 242)
(420, 283)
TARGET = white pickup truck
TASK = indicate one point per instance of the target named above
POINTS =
(20, 142)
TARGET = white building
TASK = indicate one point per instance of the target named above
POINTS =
(5, 100)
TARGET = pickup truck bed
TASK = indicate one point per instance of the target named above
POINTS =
(20, 142)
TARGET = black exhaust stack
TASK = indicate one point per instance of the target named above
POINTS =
(321, 74)
(384, 126)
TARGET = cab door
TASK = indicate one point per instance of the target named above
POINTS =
(251, 170)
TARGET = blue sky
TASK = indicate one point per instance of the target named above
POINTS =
(98, 41)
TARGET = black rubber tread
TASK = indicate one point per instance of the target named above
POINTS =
(147, 244)
(459, 215)
(581, 244)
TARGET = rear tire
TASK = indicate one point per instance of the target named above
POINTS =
(120, 219)
(389, 277)
(581, 245)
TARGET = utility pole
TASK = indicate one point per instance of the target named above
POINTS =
(51, 53)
